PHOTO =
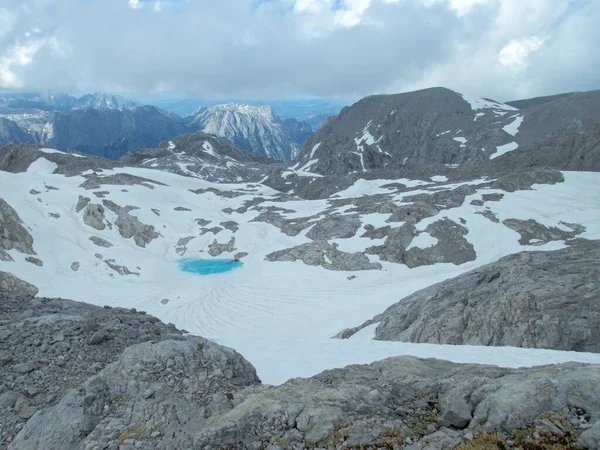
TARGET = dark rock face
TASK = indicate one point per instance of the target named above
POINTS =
(110, 133)
(10, 132)
(437, 126)
(408, 130)
(564, 150)
(531, 299)
(569, 112)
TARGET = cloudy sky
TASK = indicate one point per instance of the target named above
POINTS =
(264, 49)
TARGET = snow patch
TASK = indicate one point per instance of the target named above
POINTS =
(314, 149)
(501, 150)
(439, 178)
(482, 103)
(42, 166)
(513, 127)
(54, 151)
(423, 240)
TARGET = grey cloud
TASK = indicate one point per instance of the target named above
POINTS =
(232, 48)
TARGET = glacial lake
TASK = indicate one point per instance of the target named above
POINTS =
(208, 266)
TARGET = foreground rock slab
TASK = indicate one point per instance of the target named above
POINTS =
(538, 299)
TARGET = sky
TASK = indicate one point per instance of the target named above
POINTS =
(266, 49)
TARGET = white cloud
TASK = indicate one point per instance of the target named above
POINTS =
(515, 54)
(134, 4)
(277, 48)
(460, 7)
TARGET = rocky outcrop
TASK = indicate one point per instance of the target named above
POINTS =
(77, 376)
(9, 284)
(95, 181)
(181, 247)
(451, 246)
(531, 299)
(131, 227)
(321, 253)
(82, 202)
(100, 242)
(201, 155)
(216, 248)
(98, 352)
(534, 233)
(334, 227)
(406, 401)
(13, 235)
(93, 216)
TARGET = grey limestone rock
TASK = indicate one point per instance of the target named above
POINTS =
(82, 202)
(10, 283)
(382, 404)
(36, 261)
(51, 344)
(230, 225)
(13, 234)
(130, 226)
(201, 371)
(531, 299)
(100, 242)
(452, 247)
(121, 270)
(75, 266)
(96, 181)
(216, 248)
(333, 227)
(93, 216)
(321, 253)
(534, 233)
(181, 247)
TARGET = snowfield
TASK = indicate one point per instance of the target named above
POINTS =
(279, 315)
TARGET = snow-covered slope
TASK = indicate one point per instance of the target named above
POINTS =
(256, 129)
(314, 267)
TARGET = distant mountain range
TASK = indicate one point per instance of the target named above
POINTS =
(61, 102)
(312, 110)
(383, 132)
(110, 126)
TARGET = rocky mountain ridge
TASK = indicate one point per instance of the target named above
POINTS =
(437, 126)
(256, 129)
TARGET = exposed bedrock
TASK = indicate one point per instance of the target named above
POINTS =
(77, 376)
(13, 234)
(530, 299)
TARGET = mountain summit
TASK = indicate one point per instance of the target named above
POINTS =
(256, 129)
(437, 126)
